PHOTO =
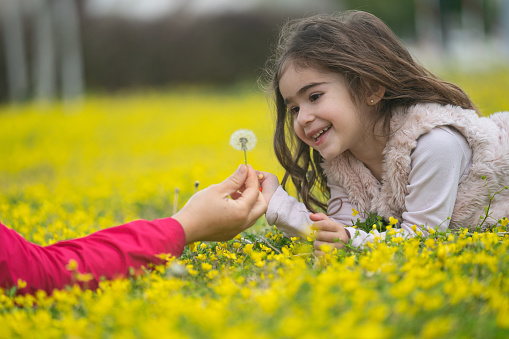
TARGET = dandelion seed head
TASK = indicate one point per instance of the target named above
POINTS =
(243, 140)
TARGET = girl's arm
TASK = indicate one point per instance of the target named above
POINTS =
(440, 162)
(293, 218)
(284, 211)
(288, 214)
(107, 253)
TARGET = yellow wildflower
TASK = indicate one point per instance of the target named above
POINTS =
(22, 283)
(430, 242)
(260, 263)
(72, 265)
(85, 277)
(194, 246)
(393, 221)
(326, 248)
(212, 274)
(248, 248)
(206, 266)
(354, 212)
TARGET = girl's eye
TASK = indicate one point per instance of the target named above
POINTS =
(314, 96)
(294, 110)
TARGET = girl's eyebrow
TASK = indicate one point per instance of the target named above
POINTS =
(303, 90)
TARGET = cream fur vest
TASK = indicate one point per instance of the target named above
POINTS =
(487, 137)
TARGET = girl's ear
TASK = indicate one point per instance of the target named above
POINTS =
(375, 93)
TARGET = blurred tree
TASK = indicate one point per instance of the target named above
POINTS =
(221, 49)
(16, 65)
(44, 51)
(69, 42)
(54, 35)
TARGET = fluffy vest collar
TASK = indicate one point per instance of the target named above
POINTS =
(487, 137)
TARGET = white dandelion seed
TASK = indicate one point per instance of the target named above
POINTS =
(243, 140)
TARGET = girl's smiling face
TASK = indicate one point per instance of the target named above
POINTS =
(324, 114)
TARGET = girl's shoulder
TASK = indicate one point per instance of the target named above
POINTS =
(408, 124)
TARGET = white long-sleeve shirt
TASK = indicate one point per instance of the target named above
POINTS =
(440, 162)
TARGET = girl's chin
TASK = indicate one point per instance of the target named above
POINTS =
(327, 155)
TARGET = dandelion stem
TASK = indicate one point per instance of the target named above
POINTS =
(243, 141)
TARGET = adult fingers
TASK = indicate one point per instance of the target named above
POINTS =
(236, 195)
(234, 182)
(257, 210)
(250, 192)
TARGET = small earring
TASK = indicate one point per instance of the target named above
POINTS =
(372, 101)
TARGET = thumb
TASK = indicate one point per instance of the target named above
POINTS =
(235, 181)
(318, 217)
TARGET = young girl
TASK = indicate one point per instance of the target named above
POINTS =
(363, 123)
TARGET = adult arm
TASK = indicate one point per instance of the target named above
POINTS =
(108, 253)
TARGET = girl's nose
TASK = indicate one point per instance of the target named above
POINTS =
(304, 116)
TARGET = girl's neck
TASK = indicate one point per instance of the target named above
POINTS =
(370, 153)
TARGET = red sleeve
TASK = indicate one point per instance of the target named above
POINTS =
(107, 253)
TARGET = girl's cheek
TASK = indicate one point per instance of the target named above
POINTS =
(299, 131)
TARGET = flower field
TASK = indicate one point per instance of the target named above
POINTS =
(67, 171)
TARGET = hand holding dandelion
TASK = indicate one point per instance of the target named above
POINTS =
(243, 140)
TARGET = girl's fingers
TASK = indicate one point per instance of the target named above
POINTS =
(326, 225)
(326, 236)
(318, 217)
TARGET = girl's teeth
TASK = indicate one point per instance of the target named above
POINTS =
(321, 132)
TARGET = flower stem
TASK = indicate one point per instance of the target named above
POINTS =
(243, 141)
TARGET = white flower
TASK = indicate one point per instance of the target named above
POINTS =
(243, 140)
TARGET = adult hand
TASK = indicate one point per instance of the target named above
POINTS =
(268, 183)
(330, 233)
(211, 216)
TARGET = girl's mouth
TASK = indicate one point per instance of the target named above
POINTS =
(318, 137)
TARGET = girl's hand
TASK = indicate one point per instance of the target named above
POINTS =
(327, 231)
(268, 184)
